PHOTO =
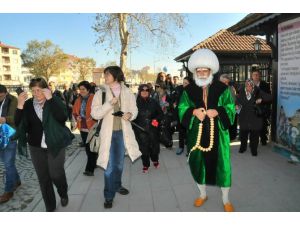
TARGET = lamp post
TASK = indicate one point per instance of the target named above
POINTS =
(257, 46)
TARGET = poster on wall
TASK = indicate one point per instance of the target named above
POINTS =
(288, 107)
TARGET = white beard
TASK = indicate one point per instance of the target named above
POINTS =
(203, 82)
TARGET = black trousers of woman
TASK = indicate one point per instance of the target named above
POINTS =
(50, 171)
(181, 135)
(254, 139)
(91, 156)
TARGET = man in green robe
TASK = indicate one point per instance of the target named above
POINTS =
(207, 110)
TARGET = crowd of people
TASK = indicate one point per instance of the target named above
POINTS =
(206, 111)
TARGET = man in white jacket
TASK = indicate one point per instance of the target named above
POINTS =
(116, 136)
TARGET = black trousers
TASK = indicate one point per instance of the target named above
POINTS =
(91, 156)
(181, 135)
(264, 132)
(254, 139)
(50, 171)
(146, 159)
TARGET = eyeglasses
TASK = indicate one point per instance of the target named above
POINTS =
(203, 70)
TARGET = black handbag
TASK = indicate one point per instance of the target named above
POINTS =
(93, 138)
(259, 110)
(165, 134)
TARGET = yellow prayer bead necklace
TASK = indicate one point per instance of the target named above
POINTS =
(211, 139)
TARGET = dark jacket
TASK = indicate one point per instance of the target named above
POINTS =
(30, 128)
(265, 87)
(147, 111)
(9, 108)
(248, 118)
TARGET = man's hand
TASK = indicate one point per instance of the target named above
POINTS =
(212, 113)
(258, 101)
(21, 100)
(127, 116)
(200, 113)
(47, 93)
(2, 120)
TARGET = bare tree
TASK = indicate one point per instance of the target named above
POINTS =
(135, 27)
(85, 67)
(43, 58)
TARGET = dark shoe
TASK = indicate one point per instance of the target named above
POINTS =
(6, 197)
(108, 204)
(156, 165)
(50, 210)
(88, 173)
(179, 151)
(18, 184)
(263, 143)
(145, 169)
(123, 191)
(81, 144)
(254, 154)
(64, 201)
(241, 151)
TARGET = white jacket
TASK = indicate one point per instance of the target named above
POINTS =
(99, 111)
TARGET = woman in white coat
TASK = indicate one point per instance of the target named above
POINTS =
(116, 135)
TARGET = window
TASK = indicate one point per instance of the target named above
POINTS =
(7, 77)
(15, 52)
(5, 50)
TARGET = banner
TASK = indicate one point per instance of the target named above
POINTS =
(288, 107)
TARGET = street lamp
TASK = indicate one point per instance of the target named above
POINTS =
(257, 46)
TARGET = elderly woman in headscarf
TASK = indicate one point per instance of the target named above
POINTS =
(250, 100)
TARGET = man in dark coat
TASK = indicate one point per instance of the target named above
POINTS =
(264, 86)
(8, 105)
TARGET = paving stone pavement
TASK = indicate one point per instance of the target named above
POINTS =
(266, 183)
(29, 189)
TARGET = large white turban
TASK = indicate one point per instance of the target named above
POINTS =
(203, 58)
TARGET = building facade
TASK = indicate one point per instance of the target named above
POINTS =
(10, 65)
(236, 55)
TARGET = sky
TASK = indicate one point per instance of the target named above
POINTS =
(73, 33)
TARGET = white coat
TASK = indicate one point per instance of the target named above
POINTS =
(99, 111)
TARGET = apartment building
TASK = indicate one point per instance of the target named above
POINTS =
(10, 65)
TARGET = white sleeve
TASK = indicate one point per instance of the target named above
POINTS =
(132, 105)
(98, 110)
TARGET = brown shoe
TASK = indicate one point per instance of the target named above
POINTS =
(199, 201)
(6, 197)
(228, 207)
(18, 184)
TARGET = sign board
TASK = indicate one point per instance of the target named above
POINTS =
(288, 107)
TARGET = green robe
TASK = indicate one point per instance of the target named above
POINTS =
(212, 167)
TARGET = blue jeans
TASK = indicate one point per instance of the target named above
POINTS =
(8, 156)
(113, 172)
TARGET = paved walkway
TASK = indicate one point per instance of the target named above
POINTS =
(259, 184)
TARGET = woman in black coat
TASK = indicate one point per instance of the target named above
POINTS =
(250, 101)
(148, 118)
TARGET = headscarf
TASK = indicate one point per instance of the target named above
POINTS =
(249, 94)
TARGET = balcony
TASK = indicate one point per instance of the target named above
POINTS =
(5, 60)
(6, 68)
(5, 51)
(7, 77)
